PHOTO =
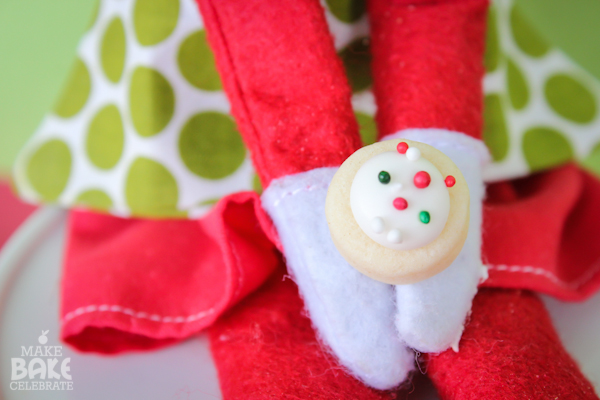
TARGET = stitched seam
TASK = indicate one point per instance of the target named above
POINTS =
(549, 275)
(296, 191)
(134, 314)
(237, 266)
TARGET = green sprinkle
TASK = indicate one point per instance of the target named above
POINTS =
(384, 177)
(424, 217)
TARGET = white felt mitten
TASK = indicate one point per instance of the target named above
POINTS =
(352, 313)
(431, 314)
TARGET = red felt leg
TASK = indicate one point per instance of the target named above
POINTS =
(509, 350)
(285, 82)
(265, 348)
(427, 64)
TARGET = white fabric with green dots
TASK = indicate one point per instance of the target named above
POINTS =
(143, 127)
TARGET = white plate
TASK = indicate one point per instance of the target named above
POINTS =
(30, 304)
(29, 291)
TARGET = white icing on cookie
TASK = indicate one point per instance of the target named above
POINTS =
(390, 208)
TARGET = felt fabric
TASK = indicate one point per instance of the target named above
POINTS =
(509, 350)
(427, 64)
(135, 284)
(265, 348)
(286, 85)
(352, 313)
(431, 314)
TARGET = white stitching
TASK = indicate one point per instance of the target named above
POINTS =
(549, 275)
(279, 189)
(302, 189)
(131, 313)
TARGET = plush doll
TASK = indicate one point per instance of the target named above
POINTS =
(143, 282)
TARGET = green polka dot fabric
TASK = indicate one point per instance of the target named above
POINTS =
(541, 108)
(143, 126)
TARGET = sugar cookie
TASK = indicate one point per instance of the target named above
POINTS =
(398, 211)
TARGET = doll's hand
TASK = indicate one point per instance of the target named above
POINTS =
(431, 313)
(352, 313)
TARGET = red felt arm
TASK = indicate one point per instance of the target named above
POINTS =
(428, 64)
(285, 82)
(427, 68)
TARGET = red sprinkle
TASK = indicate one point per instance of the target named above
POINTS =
(422, 179)
(402, 147)
(450, 181)
(400, 203)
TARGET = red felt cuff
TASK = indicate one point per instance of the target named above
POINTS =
(135, 284)
(286, 85)
(428, 64)
(509, 350)
(542, 233)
